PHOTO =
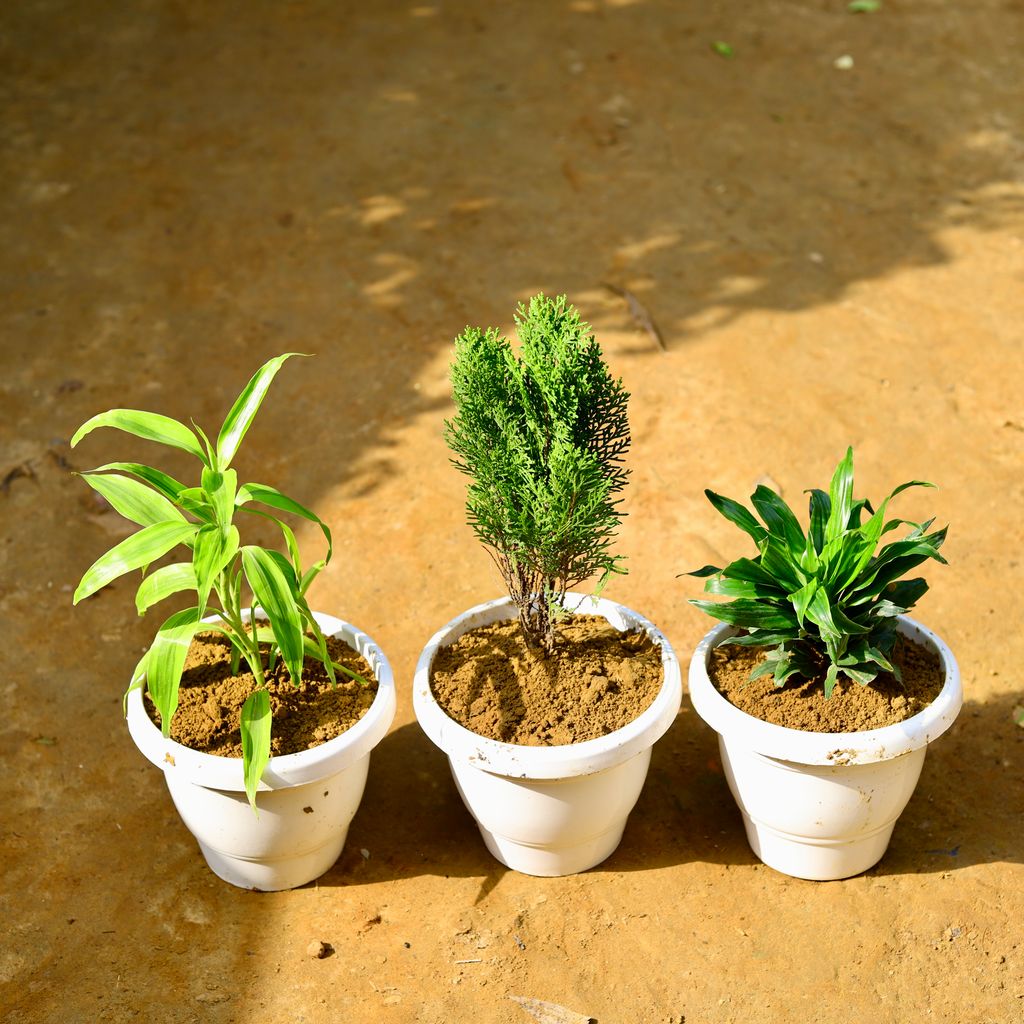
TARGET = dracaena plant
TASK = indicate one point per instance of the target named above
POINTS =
(825, 600)
(541, 435)
(226, 576)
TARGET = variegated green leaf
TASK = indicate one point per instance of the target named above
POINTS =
(255, 729)
(134, 500)
(162, 582)
(220, 493)
(245, 408)
(275, 499)
(274, 595)
(149, 544)
(213, 552)
(150, 425)
(167, 660)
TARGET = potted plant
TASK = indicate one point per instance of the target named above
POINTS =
(275, 815)
(823, 692)
(547, 702)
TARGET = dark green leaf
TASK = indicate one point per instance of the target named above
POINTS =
(779, 518)
(820, 506)
(750, 614)
(245, 408)
(255, 728)
(749, 569)
(802, 598)
(840, 498)
(778, 562)
(708, 570)
(149, 544)
(738, 514)
(150, 425)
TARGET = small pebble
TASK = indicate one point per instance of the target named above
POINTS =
(319, 950)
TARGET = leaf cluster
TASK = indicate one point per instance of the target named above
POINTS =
(826, 599)
(542, 436)
(217, 567)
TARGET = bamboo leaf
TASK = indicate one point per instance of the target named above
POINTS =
(255, 729)
(266, 495)
(167, 660)
(220, 493)
(149, 544)
(149, 425)
(162, 582)
(166, 485)
(134, 500)
(245, 408)
(273, 593)
(213, 552)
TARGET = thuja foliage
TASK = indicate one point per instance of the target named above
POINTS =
(542, 435)
(226, 576)
(825, 600)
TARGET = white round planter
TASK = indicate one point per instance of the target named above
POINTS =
(305, 801)
(822, 805)
(551, 810)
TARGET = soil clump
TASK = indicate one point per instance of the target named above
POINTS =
(597, 680)
(851, 708)
(304, 716)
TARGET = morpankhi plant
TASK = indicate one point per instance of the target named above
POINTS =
(825, 600)
(217, 566)
(542, 436)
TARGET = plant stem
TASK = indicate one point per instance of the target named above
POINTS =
(232, 615)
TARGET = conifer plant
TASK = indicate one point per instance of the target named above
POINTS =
(542, 435)
(228, 578)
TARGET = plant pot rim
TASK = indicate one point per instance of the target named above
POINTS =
(284, 770)
(561, 761)
(827, 748)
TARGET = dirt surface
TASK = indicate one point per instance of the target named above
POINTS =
(832, 256)
(595, 681)
(210, 699)
(801, 704)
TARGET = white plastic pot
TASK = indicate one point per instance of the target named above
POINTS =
(305, 800)
(549, 810)
(822, 805)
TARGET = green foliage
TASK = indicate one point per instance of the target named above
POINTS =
(218, 566)
(826, 600)
(542, 436)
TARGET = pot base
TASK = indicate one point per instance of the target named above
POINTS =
(274, 875)
(818, 860)
(553, 861)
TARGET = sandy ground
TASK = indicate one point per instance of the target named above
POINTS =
(833, 256)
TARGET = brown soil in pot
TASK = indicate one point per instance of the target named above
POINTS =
(851, 708)
(597, 680)
(304, 716)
